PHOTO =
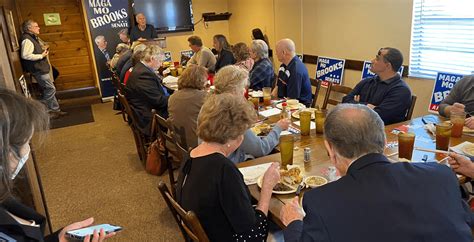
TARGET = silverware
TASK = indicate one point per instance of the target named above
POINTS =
(300, 187)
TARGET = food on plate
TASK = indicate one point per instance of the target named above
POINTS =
(315, 181)
(281, 187)
(468, 149)
(292, 176)
(261, 129)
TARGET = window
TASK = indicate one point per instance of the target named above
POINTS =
(442, 37)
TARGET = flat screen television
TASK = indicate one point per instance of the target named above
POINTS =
(167, 15)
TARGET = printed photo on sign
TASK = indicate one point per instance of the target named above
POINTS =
(443, 84)
(366, 73)
(167, 56)
(185, 56)
(330, 70)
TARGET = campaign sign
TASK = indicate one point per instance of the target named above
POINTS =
(366, 73)
(185, 56)
(443, 85)
(329, 70)
(167, 56)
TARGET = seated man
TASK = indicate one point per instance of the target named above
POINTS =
(142, 31)
(460, 99)
(376, 200)
(386, 93)
(144, 90)
(293, 79)
(203, 56)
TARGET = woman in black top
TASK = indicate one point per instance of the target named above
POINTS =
(19, 119)
(258, 34)
(210, 185)
(224, 54)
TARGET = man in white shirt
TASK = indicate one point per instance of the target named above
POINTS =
(34, 59)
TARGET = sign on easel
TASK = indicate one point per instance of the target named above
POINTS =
(185, 56)
(330, 70)
(167, 56)
(443, 84)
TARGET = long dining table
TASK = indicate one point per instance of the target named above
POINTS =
(319, 162)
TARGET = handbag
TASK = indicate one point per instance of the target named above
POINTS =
(156, 164)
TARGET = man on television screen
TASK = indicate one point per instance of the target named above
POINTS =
(142, 31)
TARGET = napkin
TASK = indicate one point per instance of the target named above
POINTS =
(170, 80)
(252, 173)
(270, 112)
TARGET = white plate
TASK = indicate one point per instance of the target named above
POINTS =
(260, 180)
(300, 105)
(297, 113)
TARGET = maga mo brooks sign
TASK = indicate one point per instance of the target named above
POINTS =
(444, 83)
(329, 70)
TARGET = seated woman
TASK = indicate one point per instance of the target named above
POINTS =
(262, 74)
(242, 56)
(224, 55)
(20, 118)
(211, 185)
(184, 105)
(144, 90)
(119, 51)
(232, 79)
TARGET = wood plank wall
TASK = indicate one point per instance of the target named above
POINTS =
(68, 43)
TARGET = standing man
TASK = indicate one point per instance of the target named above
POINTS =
(293, 78)
(386, 93)
(142, 31)
(375, 199)
(203, 56)
(34, 59)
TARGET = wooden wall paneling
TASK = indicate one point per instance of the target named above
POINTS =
(68, 42)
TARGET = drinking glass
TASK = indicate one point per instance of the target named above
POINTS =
(305, 122)
(406, 141)
(267, 96)
(457, 119)
(286, 150)
(320, 117)
(443, 134)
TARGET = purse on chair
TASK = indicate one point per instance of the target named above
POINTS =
(155, 161)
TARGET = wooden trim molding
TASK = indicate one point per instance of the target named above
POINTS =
(355, 65)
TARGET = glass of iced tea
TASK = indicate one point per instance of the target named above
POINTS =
(443, 134)
(305, 122)
(267, 96)
(320, 117)
(406, 141)
(286, 150)
(457, 119)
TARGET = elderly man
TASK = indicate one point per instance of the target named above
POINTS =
(142, 31)
(144, 90)
(293, 78)
(262, 74)
(34, 59)
(103, 59)
(460, 99)
(386, 93)
(203, 56)
(376, 200)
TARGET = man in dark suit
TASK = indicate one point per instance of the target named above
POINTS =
(104, 58)
(376, 200)
(144, 90)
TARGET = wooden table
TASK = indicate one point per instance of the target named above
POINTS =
(320, 159)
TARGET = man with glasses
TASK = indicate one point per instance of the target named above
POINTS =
(386, 93)
(34, 59)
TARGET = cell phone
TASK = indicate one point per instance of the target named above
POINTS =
(83, 232)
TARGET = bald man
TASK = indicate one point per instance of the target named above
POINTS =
(293, 79)
(142, 31)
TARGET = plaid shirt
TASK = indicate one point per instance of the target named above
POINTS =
(262, 74)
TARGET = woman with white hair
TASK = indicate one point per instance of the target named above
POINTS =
(262, 74)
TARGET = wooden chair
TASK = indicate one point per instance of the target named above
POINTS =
(140, 139)
(412, 107)
(334, 89)
(317, 84)
(188, 222)
(172, 147)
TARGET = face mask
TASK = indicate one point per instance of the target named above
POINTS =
(21, 163)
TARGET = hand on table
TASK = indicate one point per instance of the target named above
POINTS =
(284, 123)
(469, 122)
(461, 164)
(291, 212)
(97, 237)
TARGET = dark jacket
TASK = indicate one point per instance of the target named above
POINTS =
(225, 58)
(144, 92)
(39, 66)
(122, 60)
(148, 33)
(293, 82)
(11, 228)
(391, 97)
(381, 201)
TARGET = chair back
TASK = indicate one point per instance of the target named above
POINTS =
(335, 89)
(187, 221)
(412, 107)
(317, 85)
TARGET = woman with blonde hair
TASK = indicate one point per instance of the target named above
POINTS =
(233, 80)
(210, 185)
(184, 105)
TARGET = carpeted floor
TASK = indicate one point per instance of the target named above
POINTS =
(93, 169)
(76, 115)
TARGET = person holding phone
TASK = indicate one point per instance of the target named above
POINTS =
(19, 119)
